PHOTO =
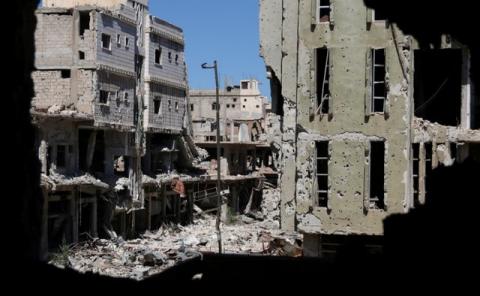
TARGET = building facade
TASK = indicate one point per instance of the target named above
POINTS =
(242, 125)
(366, 112)
(110, 110)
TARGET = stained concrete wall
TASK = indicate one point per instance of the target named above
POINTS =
(50, 89)
(231, 105)
(87, 90)
(55, 133)
(118, 110)
(54, 40)
(120, 56)
(167, 80)
(349, 129)
(172, 107)
(86, 43)
(173, 68)
(279, 36)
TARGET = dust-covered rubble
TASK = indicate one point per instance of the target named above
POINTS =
(157, 251)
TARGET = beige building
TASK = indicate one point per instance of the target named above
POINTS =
(242, 126)
(367, 114)
(240, 105)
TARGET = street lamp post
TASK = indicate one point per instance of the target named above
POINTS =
(219, 197)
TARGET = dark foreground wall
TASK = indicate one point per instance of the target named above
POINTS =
(420, 246)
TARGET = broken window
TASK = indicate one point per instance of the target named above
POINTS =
(84, 22)
(61, 159)
(120, 166)
(103, 97)
(157, 103)
(415, 172)
(438, 85)
(323, 11)
(81, 55)
(245, 85)
(428, 169)
(421, 165)
(158, 56)
(377, 174)
(378, 15)
(106, 41)
(97, 164)
(214, 106)
(66, 74)
(322, 56)
(322, 173)
(191, 107)
(379, 90)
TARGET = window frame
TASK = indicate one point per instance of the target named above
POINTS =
(109, 41)
(375, 82)
(159, 50)
(323, 94)
(375, 204)
(321, 7)
(318, 174)
(159, 100)
(107, 98)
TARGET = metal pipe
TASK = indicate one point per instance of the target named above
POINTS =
(219, 197)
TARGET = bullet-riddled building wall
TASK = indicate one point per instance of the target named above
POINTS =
(352, 88)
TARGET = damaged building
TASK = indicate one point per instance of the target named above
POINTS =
(109, 109)
(367, 113)
(242, 126)
(246, 157)
(114, 134)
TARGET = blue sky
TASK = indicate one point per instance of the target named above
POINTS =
(225, 30)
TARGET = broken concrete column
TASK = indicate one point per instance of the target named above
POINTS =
(444, 154)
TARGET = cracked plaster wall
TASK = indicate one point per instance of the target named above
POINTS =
(348, 130)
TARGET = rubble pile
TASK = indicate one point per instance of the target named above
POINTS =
(271, 208)
(58, 179)
(156, 251)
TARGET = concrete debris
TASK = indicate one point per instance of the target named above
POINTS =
(122, 184)
(55, 179)
(271, 207)
(157, 251)
(426, 131)
(444, 155)
(55, 109)
(202, 154)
